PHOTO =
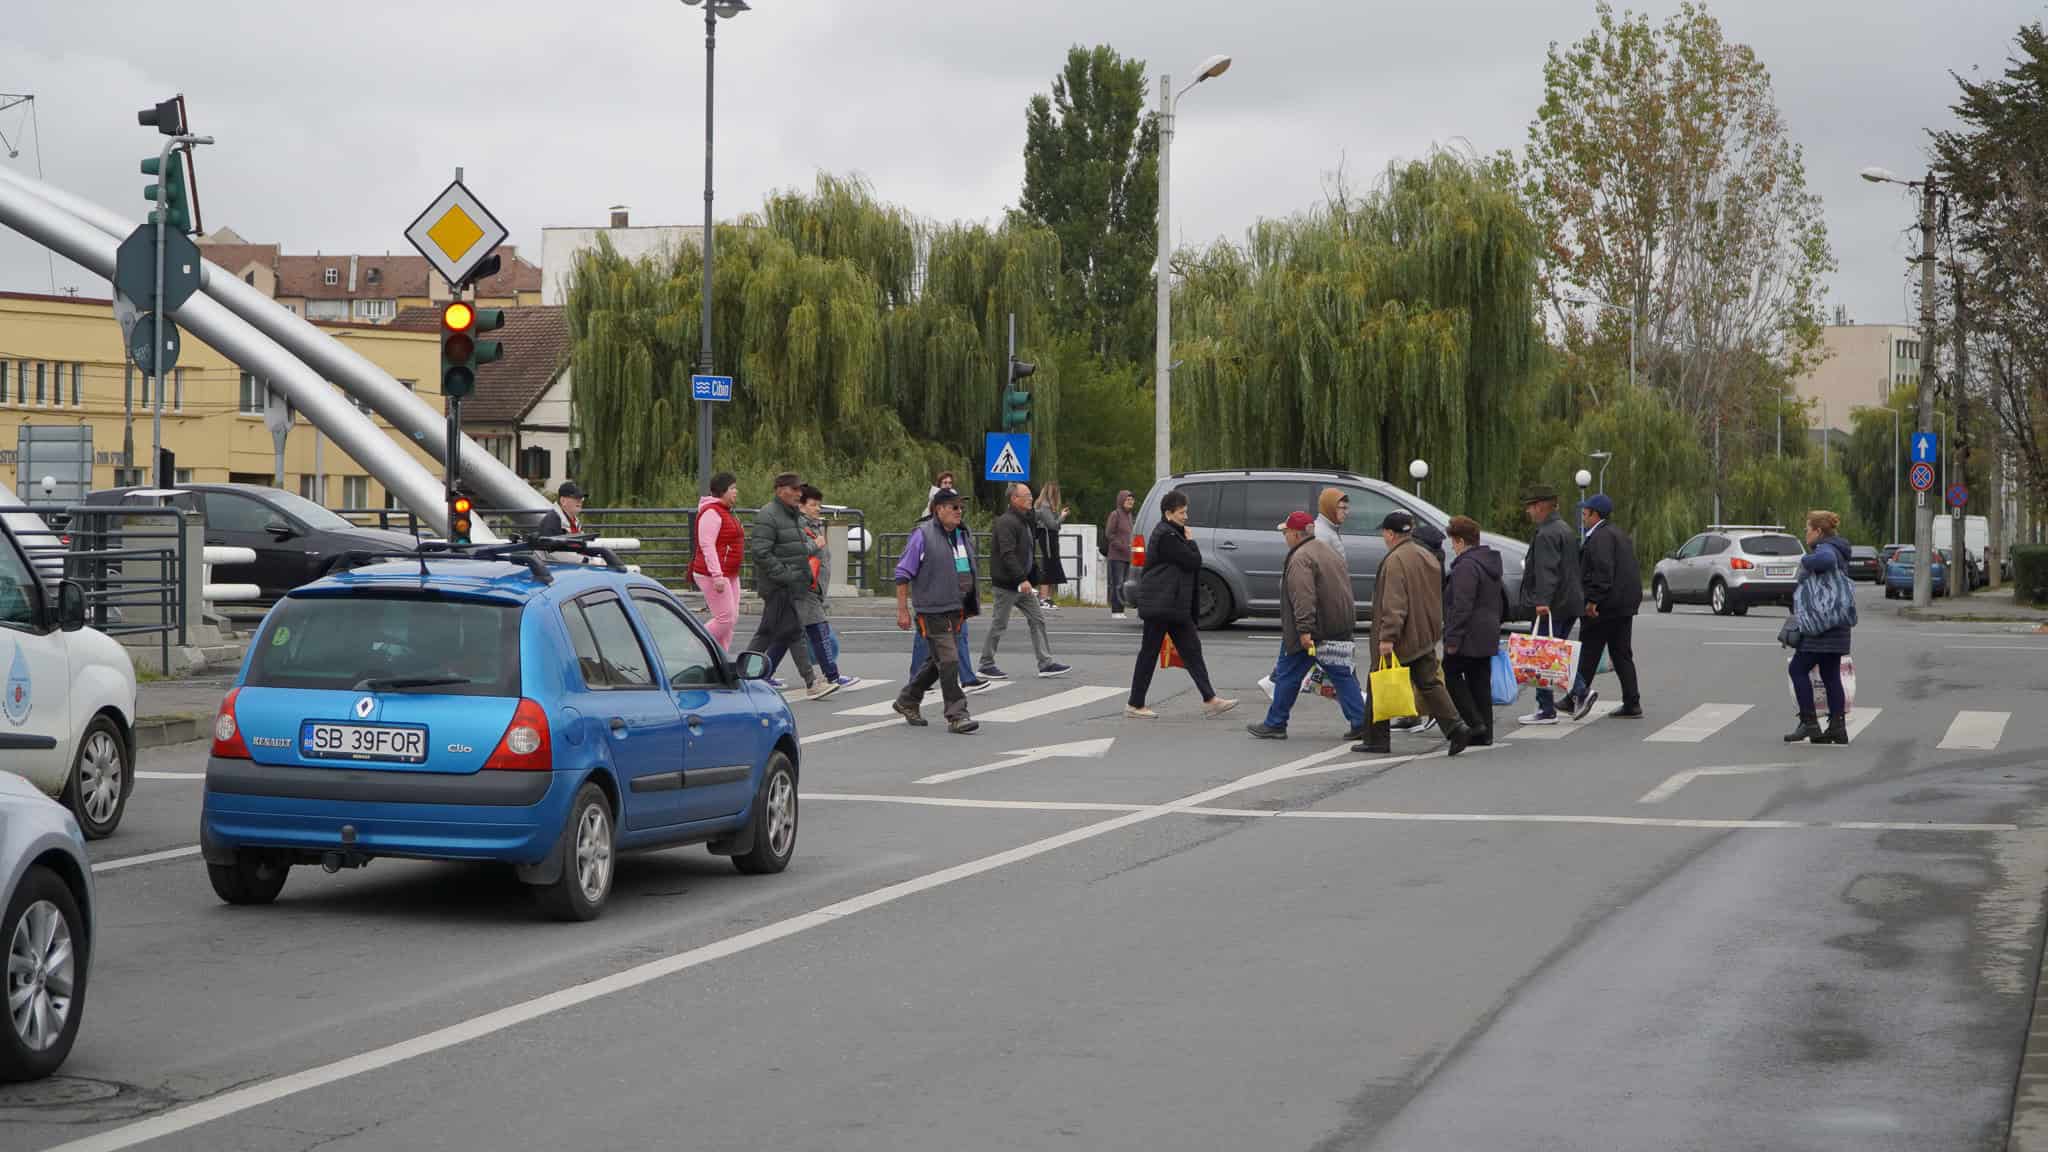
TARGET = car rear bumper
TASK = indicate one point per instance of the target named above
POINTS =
(1762, 591)
(508, 816)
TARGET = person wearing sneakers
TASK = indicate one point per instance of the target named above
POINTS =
(1166, 603)
(812, 610)
(1009, 576)
(1317, 619)
(1407, 624)
(782, 572)
(937, 577)
(1614, 593)
(1551, 592)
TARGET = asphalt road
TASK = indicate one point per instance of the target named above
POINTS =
(1671, 933)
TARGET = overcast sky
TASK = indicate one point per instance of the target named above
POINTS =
(337, 123)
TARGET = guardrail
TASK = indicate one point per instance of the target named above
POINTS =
(892, 545)
(130, 560)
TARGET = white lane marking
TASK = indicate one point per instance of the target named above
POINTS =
(146, 858)
(795, 694)
(1697, 724)
(238, 1100)
(1669, 788)
(170, 775)
(1998, 647)
(1078, 750)
(1565, 725)
(1739, 644)
(963, 802)
(1976, 730)
(1080, 697)
(887, 707)
(1859, 719)
(836, 733)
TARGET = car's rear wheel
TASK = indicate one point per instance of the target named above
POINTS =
(1212, 602)
(580, 892)
(1717, 597)
(101, 778)
(1661, 593)
(46, 946)
(775, 813)
(254, 877)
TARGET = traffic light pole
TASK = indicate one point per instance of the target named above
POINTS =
(156, 313)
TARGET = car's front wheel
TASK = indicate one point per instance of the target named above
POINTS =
(101, 778)
(44, 937)
(253, 878)
(1661, 592)
(580, 892)
(775, 812)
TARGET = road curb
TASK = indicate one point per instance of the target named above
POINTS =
(175, 728)
(2028, 1131)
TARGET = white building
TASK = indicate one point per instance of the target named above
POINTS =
(559, 248)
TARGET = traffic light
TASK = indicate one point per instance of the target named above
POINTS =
(458, 519)
(167, 117)
(177, 199)
(488, 320)
(1016, 400)
(458, 349)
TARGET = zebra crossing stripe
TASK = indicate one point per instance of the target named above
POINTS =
(1697, 724)
(1978, 731)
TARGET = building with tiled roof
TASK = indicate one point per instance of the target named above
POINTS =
(520, 411)
(362, 289)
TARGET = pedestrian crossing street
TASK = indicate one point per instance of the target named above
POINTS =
(1967, 731)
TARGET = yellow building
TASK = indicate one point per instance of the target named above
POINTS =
(62, 363)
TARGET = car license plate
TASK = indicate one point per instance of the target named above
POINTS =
(321, 740)
(1778, 570)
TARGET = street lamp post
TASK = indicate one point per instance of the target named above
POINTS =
(1162, 339)
(1923, 512)
(1418, 470)
(714, 11)
(1604, 458)
(1584, 480)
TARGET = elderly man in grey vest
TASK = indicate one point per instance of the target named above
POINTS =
(937, 577)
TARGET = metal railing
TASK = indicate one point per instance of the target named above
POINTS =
(666, 535)
(891, 545)
(130, 560)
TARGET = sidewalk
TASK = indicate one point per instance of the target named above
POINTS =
(176, 711)
(1989, 605)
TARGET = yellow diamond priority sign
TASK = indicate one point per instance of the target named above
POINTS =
(456, 232)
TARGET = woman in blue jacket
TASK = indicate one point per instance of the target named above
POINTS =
(1823, 615)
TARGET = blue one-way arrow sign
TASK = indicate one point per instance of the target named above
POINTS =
(1925, 447)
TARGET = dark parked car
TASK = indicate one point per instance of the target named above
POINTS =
(1865, 564)
(295, 540)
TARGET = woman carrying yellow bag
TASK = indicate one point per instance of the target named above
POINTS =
(1393, 691)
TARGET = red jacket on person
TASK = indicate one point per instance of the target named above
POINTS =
(730, 544)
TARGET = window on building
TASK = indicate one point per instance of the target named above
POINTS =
(376, 276)
(326, 309)
(355, 491)
(331, 277)
(78, 385)
(414, 385)
(21, 382)
(3, 381)
(374, 309)
(184, 475)
(308, 486)
(253, 395)
(249, 278)
(127, 477)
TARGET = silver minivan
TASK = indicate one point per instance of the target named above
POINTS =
(1232, 516)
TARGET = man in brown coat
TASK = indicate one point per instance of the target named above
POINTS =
(1407, 624)
(1317, 618)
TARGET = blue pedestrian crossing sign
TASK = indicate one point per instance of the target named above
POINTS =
(1007, 456)
(1926, 449)
(711, 388)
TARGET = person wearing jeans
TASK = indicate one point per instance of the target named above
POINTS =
(1116, 545)
(811, 607)
(1316, 609)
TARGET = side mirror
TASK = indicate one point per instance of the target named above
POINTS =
(751, 666)
(70, 605)
(279, 529)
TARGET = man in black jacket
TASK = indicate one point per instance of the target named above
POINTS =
(1551, 592)
(1009, 575)
(1614, 593)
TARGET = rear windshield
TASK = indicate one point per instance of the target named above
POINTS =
(1772, 546)
(364, 643)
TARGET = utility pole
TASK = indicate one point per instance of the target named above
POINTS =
(1959, 401)
(1162, 336)
(1923, 511)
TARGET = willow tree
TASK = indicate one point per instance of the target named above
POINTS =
(1366, 333)
(855, 332)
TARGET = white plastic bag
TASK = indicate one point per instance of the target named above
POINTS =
(1820, 686)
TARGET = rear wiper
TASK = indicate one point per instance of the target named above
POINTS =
(382, 683)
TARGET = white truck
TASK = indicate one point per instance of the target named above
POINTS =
(1976, 531)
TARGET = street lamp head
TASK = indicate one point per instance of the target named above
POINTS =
(1419, 469)
(1880, 176)
(1583, 478)
(725, 9)
(1600, 455)
(1211, 68)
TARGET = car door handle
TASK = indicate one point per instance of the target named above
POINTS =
(695, 722)
(618, 725)
(1226, 546)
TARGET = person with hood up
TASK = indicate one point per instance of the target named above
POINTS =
(1116, 545)
(1332, 507)
(1474, 607)
(1551, 592)
(718, 544)
(1823, 615)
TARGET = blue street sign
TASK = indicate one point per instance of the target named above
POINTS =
(1007, 456)
(711, 388)
(1926, 449)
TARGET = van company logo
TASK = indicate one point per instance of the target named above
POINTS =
(17, 696)
(365, 706)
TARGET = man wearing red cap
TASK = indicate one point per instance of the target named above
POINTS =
(1317, 617)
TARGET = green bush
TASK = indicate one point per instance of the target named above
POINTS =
(2030, 573)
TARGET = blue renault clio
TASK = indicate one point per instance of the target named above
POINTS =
(487, 704)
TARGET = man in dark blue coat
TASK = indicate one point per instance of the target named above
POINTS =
(1614, 593)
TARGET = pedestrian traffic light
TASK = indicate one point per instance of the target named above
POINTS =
(177, 200)
(458, 348)
(458, 519)
(1017, 401)
(167, 117)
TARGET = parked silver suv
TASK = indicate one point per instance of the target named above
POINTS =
(1232, 515)
(1730, 567)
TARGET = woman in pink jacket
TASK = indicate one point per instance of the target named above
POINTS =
(719, 541)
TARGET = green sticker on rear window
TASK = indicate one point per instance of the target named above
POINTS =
(280, 636)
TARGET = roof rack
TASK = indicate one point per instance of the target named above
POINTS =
(1745, 527)
(580, 543)
(527, 550)
(1341, 473)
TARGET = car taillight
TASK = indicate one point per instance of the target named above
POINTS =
(227, 734)
(1137, 550)
(526, 745)
(1740, 565)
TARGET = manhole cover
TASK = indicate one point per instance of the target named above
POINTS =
(56, 1092)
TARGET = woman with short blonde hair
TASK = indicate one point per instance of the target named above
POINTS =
(1823, 614)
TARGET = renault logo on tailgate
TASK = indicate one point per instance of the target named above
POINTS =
(365, 706)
